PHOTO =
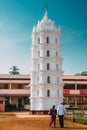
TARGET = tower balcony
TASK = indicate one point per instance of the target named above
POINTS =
(45, 45)
(45, 58)
(47, 71)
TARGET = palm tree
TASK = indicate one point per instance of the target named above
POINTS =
(14, 70)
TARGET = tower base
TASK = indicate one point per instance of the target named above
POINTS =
(39, 112)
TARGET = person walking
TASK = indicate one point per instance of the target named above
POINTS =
(61, 111)
(53, 113)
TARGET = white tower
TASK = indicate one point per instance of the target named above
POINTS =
(46, 73)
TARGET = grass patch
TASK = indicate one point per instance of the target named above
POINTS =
(2, 116)
(77, 116)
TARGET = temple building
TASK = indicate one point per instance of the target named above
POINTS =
(46, 73)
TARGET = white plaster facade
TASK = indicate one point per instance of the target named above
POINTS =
(46, 73)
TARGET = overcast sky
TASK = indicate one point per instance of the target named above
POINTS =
(17, 18)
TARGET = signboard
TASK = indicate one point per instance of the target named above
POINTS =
(66, 91)
(75, 92)
(84, 91)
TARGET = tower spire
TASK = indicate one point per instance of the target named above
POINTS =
(46, 15)
(46, 8)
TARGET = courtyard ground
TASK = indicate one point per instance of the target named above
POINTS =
(24, 121)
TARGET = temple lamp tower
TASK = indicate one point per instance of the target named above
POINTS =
(46, 73)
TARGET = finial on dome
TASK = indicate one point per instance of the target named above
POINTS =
(46, 15)
(46, 8)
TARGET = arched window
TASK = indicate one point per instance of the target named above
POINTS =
(37, 93)
(56, 53)
(48, 93)
(56, 66)
(55, 40)
(38, 53)
(37, 79)
(47, 40)
(48, 79)
(57, 93)
(57, 79)
(48, 53)
(38, 40)
(48, 66)
(38, 66)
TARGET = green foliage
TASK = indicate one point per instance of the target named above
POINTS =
(14, 70)
(79, 116)
(84, 73)
(77, 74)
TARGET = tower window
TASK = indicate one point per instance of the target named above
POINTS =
(48, 93)
(48, 66)
(37, 93)
(37, 79)
(58, 93)
(55, 40)
(47, 40)
(38, 40)
(48, 79)
(56, 53)
(38, 66)
(57, 79)
(48, 53)
(38, 53)
(56, 66)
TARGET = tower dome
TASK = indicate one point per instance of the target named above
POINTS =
(46, 24)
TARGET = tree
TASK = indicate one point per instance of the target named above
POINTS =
(14, 70)
(84, 73)
(77, 74)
